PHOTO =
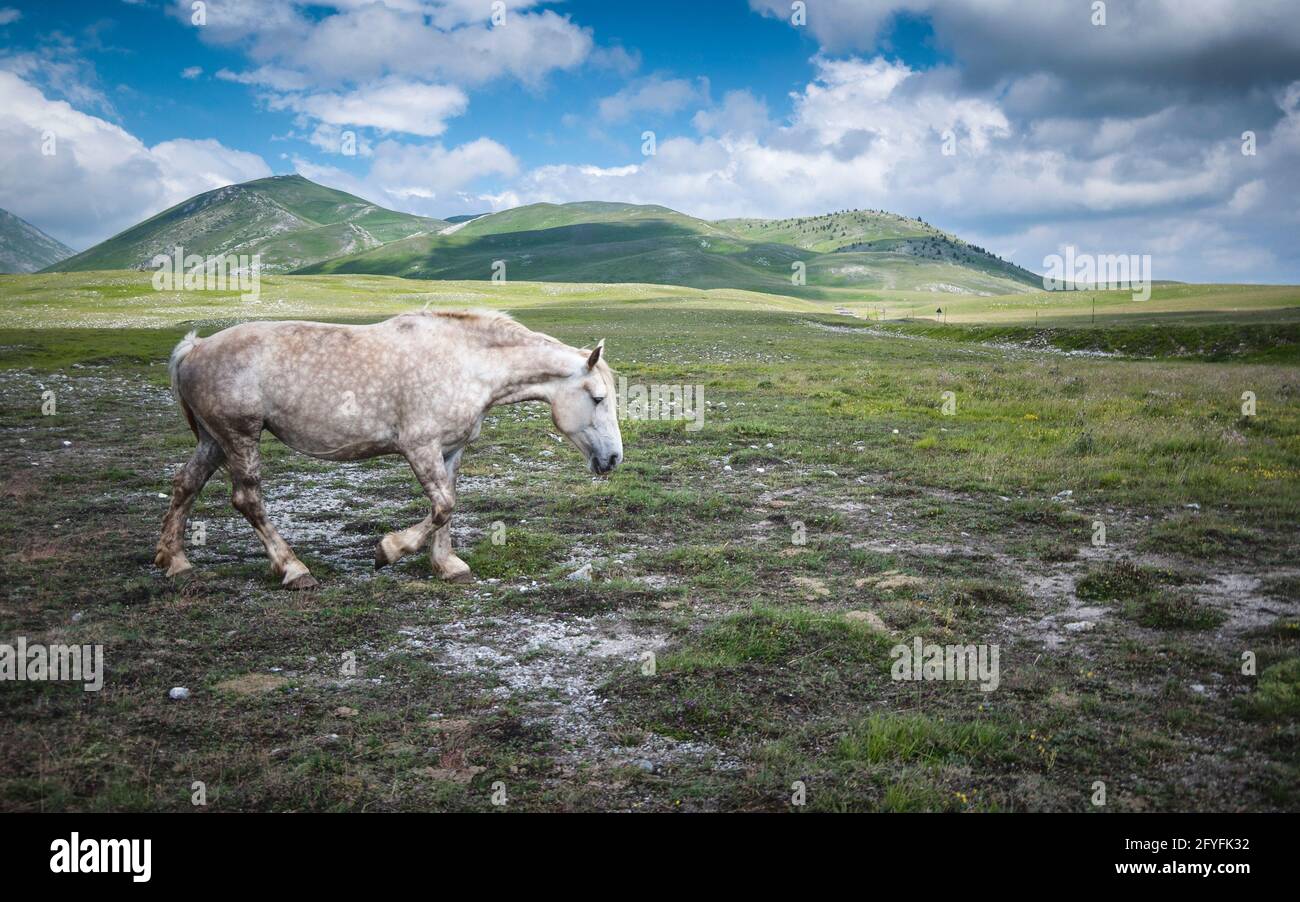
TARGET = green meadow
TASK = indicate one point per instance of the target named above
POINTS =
(1109, 497)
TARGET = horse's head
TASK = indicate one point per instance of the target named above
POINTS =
(584, 409)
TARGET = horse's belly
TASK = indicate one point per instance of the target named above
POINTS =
(333, 437)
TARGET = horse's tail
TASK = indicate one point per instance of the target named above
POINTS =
(179, 353)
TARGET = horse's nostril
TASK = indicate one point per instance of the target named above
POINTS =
(613, 461)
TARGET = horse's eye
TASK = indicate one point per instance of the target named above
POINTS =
(597, 400)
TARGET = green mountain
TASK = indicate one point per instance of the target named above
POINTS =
(612, 242)
(25, 248)
(299, 226)
(291, 221)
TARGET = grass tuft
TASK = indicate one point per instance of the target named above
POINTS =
(1278, 694)
(1118, 581)
(918, 738)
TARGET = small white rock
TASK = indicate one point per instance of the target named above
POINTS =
(582, 574)
(178, 693)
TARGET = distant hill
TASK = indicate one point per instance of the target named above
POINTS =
(291, 221)
(300, 226)
(25, 248)
(613, 242)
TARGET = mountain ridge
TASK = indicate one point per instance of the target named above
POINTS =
(24, 248)
(301, 227)
(603, 241)
(291, 221)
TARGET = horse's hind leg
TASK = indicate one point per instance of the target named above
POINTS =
(186, 485)
(244, 462)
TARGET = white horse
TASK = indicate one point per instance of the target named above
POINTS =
(417, 385)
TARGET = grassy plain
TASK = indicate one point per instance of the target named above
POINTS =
(828, 510)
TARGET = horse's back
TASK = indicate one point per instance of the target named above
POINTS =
(320, 387)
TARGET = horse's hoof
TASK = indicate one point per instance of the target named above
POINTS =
(454, 570)
(173, 565)
(306, 581)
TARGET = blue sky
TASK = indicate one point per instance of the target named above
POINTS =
(1022, 127)
(138, 54)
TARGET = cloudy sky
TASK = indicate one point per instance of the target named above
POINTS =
(1021, 126)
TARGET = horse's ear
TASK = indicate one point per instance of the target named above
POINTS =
(595, 354)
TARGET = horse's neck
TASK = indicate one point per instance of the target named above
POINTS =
(526, 370)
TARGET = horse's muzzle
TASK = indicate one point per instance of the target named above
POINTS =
(602, 464)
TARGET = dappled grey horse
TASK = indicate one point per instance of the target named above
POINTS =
(418, 385)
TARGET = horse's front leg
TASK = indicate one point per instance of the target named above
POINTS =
(444, 561)
(397, 544)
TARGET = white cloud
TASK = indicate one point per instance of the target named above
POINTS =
(271, 77)
(740, 113)
(1153, 41)
(429, 179)
(336, 140)
(101, 179)
(395, 66)
(363, 41)
(654, 95)
(870, 133)
(850, 133)
(58, 69)
(187, 167)
(616, 59)
(451, 13)
(9, 15)
(191, 72)
(388, 105)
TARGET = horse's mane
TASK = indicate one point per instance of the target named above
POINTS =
(496, 327)
(499, 330)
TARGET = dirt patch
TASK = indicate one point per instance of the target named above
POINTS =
(890, 581)
(21, 486)
(812, 586)
(555, 666)
(252, 684)
(870, 618)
